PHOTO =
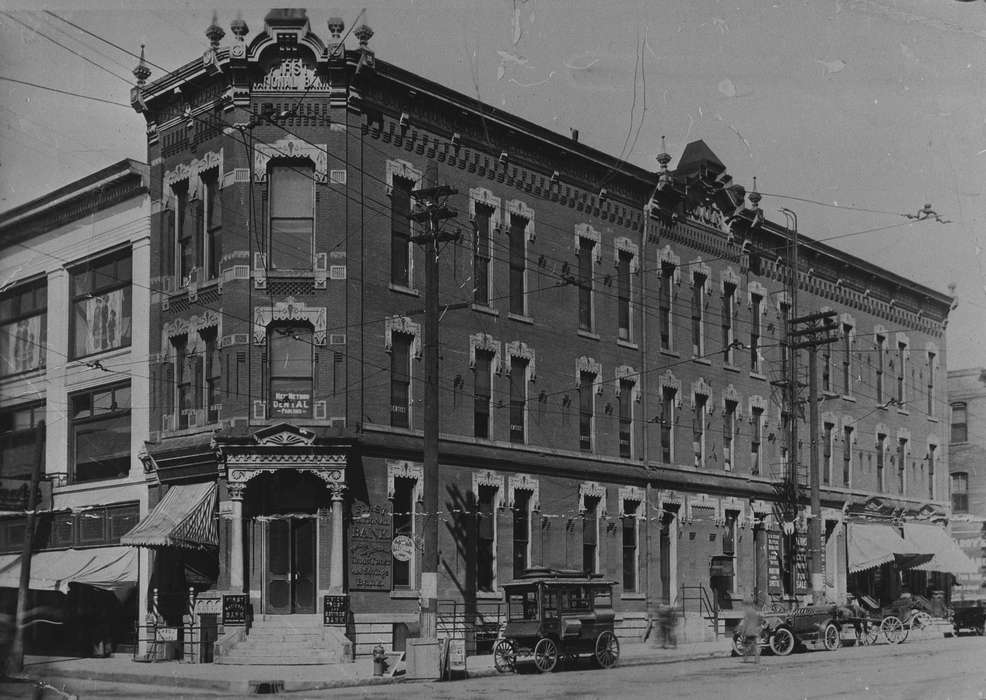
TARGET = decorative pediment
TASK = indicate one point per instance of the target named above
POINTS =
(632, 494)
(404, 326)
(589, 366)
(291, 148)
(672, 383)
(284, 435)
(491, 479)
(482, 196)
(592, 489)
(588, 233)
(515, 207)
(192, 172)
(521, 351)
(627, 373)
(625, 245)
(403, 469)
(730, 394)
(289, 310)
(403, 170)
(484, 342)
(700, 388)
(523, 482)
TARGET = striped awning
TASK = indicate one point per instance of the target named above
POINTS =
(109, 568)
(873, 544)
(185, 519)
(948, 557)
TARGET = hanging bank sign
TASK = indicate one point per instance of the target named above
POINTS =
(291, 73)
(14, 493)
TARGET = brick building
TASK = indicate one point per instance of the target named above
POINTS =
(610, 352)
(74, 320)
(967, 469)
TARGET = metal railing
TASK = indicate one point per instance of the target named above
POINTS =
(478, 622)
(707, 606)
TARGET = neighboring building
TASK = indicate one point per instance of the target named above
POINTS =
(609, 355)
(967, 469)
(74, 300)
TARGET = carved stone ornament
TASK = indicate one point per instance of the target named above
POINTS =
(669, 381)
(587, 232)
(730, 394)
(515, 207)
(628, 373)
(523, 482)
(289, 310)
(192, 172)
(633, 494)
(667, 497)
(700, 388)
(484, 342)
(290, 148)
(739, 505)
(590, 366)
(703, 500)
(241, 476)
(757, 401)
(729, 276)
(284, 435)
(667, 256)
(492, 480)
(592, 489)
(701, 270)
(757, 289)
(482, 196)
(405, 470)
(403, 170)
(520, 350)
(191, 327)
(625, 245)
(405, 326)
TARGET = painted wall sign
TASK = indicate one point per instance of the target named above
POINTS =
(801, 563)
(370, 557)
(402, 548)
(775, 586)
(292, 403)
(292, 73)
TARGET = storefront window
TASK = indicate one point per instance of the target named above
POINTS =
(101, 298)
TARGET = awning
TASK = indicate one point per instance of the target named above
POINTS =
(872, 544)
(109, 568)
(948, 556)
(185, 518)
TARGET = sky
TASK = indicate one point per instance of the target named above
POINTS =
(852, 113)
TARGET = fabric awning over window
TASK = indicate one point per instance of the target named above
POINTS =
(947, 555)
(185, 518)
(872, 544)
(110, 568)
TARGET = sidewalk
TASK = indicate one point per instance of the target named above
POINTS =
(267, 679)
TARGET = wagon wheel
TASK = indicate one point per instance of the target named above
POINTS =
(546, 655)
(607, 649)
(782, 641)
(831, 637)
(893, 629)
(921, 620)
(505, 656)
(870, 636)
(980, 629)
(739, 649)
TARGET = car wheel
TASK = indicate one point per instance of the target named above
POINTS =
(831, 637)
(782, 641)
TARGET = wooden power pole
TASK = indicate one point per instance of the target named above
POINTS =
(16, 662)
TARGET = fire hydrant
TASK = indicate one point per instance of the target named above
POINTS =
(379, 660)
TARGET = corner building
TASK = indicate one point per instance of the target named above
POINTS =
(610, 342)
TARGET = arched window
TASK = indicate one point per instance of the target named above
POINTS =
(291, 369)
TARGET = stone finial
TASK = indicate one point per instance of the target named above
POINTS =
(364, 34)
(214, 33)
(663, 158)
(754, 196)
(142, 72)
(336, 27)
(239, 28)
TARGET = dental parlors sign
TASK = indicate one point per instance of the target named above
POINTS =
(292, 404)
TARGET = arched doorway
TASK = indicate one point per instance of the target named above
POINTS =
(284, 506)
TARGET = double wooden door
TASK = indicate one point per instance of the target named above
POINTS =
(291, 566)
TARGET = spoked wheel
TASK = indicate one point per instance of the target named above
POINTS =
(782, 641)
(738, 647)
(921, 621)
(893, 629)
(831, 637)
(980, 629)
(546, 655)
(870, 636)
(607, 649)
(505, 656)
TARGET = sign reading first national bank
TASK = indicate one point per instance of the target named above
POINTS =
(14, 493)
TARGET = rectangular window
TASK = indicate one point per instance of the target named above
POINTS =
(698, 430)
(522, 532)
(786, 350)
(481, 256)
(901, 374)
(400, 232)
(881, 455)
(881, 364)
(213, 224)
(481, 394)
(728, 310)
(846, 359)
(18, 439)
(960, 426)
(960, 492)
(846, 456)
(211, 375)
(756, 441)
(587, 405)
(100, 433)
(183, 381)
(698, 313)
(403, 524)
(486, 539)
(630, 546)
(626, 418)
(665, 296)
(590, 535)
(901, 465)
(101, 299)
(186, 234)
(518, 400)
(23, 327)
(667, 424)
(586, 250)
(623, 263)
(827, 370)
(756, 309)
(518, 265)
(931, 470)
(400, 380)
(931, 384)
(291, 369)
(827, 467)
(728, 435)
(292, 216)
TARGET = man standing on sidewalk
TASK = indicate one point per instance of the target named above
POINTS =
(751, 627)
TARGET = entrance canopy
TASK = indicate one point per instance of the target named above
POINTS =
(871, 545)
(185, 519)
(110, 568)
(947, 556)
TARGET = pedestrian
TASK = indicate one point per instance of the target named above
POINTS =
(751, 627)
(666, 626)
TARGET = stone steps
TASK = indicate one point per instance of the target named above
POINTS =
(293, 640)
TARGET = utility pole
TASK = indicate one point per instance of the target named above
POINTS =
(16, 662)
(792, 395)
(433, 201)
(812, 331)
